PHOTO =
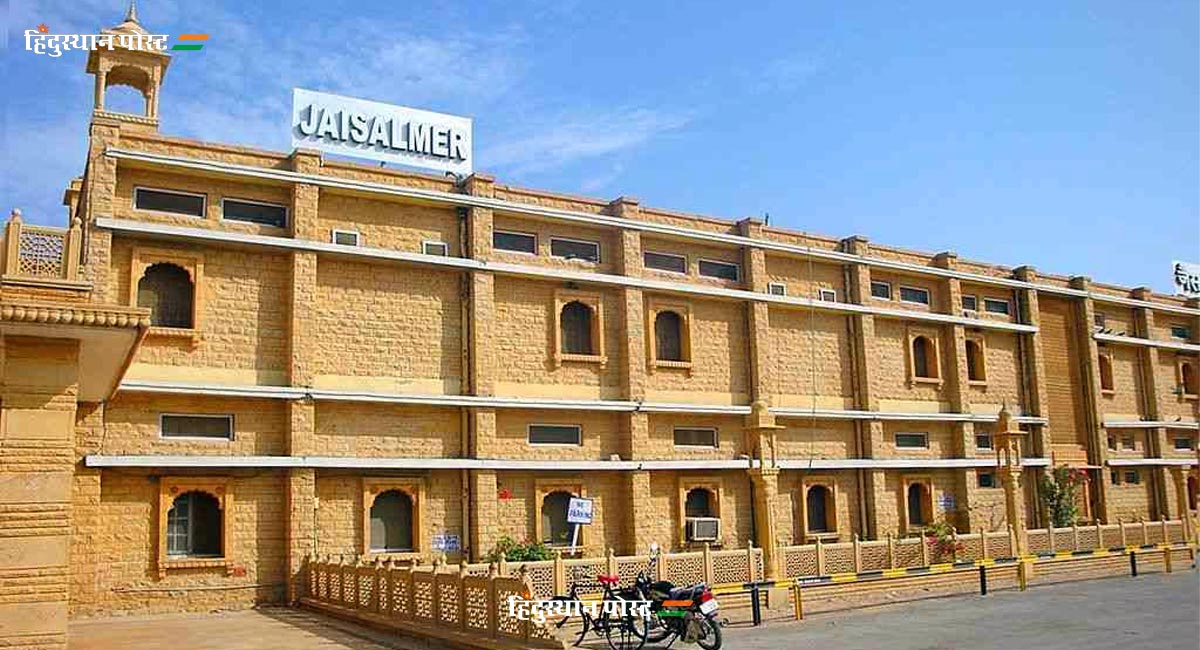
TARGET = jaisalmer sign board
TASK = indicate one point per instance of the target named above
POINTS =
(385, 132)
(1187, 278)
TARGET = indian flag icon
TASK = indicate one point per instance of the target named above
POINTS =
(190, 42)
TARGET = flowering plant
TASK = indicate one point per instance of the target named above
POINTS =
(940, 538)
(1060, 494)
(514, 551)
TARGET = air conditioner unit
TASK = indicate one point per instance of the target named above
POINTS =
(703, 529)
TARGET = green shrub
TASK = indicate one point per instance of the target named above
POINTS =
(514, 551)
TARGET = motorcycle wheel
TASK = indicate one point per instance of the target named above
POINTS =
(710, 635)
(628, 633)
(657, 630)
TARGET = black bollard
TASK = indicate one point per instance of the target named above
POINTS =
(982, 580)
(755, 606)
(1133, 564)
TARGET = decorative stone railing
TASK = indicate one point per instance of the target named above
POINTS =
(41, 252)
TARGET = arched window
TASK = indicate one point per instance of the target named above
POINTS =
(1106, 372)
(924, 358)
(916, 504)
(194, 526)
(576, 325)
(1188, 379)
(699, 503)
(668, 336)
(166, 289)
(975, 366)
(555, 529)
(392, 522)
(818, 505)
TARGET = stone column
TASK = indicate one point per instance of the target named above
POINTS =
(1034, 395)
(957, 388)
(1097, 436)
(484, 516)
(37, 459)
(1181, 509)
(1153, 394)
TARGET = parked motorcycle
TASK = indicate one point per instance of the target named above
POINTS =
(684, 613)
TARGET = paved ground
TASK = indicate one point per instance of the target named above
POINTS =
(1153, 611)
(261, 629)
(1156, 611)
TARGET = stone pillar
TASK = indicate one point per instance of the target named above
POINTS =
(957, 388)
(1154, 394)
(640, 519)
(1181, 505)
(766, 493)
(1034, 395)
(484, 516)
(1010, 477)
(1097, 437)
(879, 503)
(302, 528)
(37, 459)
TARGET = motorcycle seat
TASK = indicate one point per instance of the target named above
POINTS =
(606, 579)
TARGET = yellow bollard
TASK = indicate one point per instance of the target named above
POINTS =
(797, 601)
(1167, 560)
(1022, 578)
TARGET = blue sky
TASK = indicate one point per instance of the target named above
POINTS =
(1063, 135)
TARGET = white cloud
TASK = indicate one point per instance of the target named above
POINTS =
(550, 143)
(602, 180)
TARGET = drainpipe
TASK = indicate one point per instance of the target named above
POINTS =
(464, 438)
(856, 386)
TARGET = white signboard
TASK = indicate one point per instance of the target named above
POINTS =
(395, 134)
(946, 502)
(1187, 278)
(579, 511)
(446, 542)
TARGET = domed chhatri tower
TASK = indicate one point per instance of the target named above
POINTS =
(121, 65)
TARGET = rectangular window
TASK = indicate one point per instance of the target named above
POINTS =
(719, 270)
(1180, 332)
(912, 440)
(881, 290)
(983, 441)
(665, 262)
(267, 214)
(695, 437)
(435, 248)
(993, 306)
(1114, 477)
(214, 427)
(914, 295)
(1132, 477)
(827, 295)
(1127, 443)
(575, 249)
(555, 434)
(986, 479)
(1112, 443)
(1183, 444)
(777, 289)
(168, 201)
(1098, 319)
(346, 237)
(517, 242)
(970, 303)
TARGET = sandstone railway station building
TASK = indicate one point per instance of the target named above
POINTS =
(232, 359)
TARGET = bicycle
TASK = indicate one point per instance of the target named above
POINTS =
(626, 632)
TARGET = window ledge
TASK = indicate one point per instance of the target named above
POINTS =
(977, 383)
(158, 331)
(927, 380)
(399, 556)
(1107, 391)
(581, 358)
(171, 564)
(1191, 397)
(679, 365)
(825, 538)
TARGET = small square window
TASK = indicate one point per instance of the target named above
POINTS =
(1183, 444)
(555, 434)
(970, 303)
(665, 262)
(267, 214)
(695, 437)
(517, 242)
(1114, 477)
(346, 237)
(720, 270)
(1181, 332)
(169, 201)
(986, 479)
(214, 427)
(993, 306)
(914, 295)
(1098, 319)
(1127, 443)
(912, 440)
(435, 248)
(827, 295)
(777, 289)
(1132, 477)
(1112, 443)
(983, 441)
(575, 249)
(881, 290)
